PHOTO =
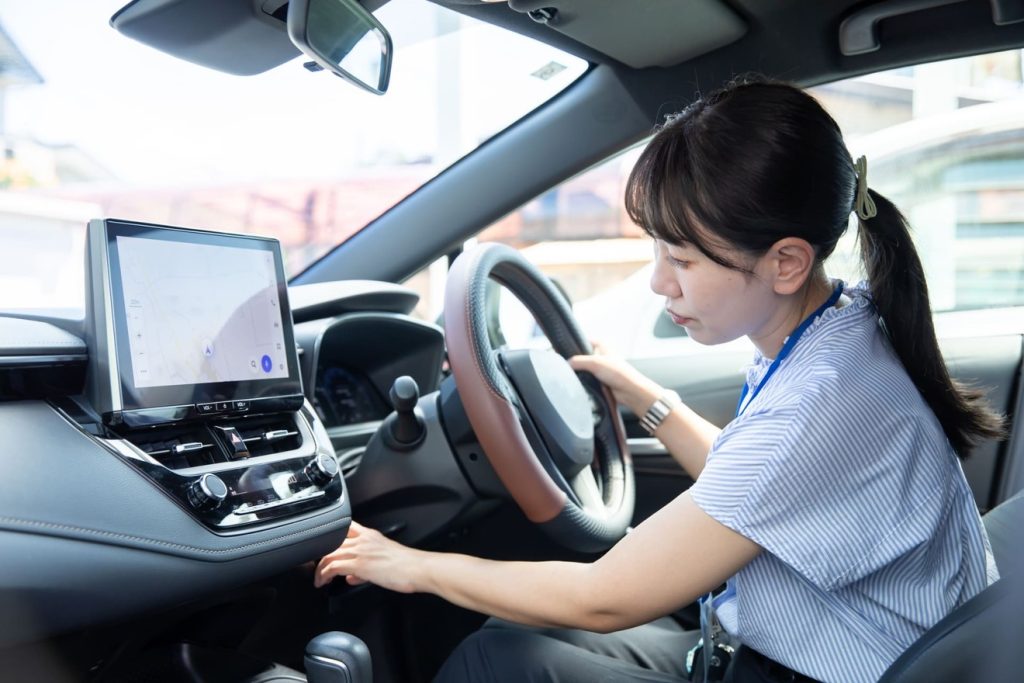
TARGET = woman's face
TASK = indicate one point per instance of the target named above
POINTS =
(714, 303)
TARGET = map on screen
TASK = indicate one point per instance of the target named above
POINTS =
(199, 313)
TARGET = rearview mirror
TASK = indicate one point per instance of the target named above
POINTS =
(344, 38)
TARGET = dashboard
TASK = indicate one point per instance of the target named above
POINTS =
(165, 477)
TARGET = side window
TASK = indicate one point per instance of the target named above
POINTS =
(950, 157)
(945, 143)
(579, 234)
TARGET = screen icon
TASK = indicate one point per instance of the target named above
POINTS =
(208, 348)
(267, 364)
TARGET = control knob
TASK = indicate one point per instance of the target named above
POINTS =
(404, 429)
(322, 469)
(207, 492)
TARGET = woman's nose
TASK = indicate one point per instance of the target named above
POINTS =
(662, 281)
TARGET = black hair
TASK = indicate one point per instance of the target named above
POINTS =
(758, 161)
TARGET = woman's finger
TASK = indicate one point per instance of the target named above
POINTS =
(324, 561)
(342, 553)
(330, 570)
(582, 362)
(322, 570)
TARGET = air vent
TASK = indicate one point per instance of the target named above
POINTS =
(177, 447)
(262, 435)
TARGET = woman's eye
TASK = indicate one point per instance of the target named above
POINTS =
(678, 263)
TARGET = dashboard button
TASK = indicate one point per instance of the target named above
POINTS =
(223, 406)
(235, 442)
(206, 408)
(239, 406)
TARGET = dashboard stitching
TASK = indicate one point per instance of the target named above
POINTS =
(153, 541)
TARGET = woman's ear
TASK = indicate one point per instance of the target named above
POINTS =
(790, 261)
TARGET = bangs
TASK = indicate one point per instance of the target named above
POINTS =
(666, 199)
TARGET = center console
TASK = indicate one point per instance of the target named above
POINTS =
(194, 374)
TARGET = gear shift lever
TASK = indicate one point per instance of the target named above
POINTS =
(404, 429)
(337, 657)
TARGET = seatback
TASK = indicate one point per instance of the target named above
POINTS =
(983, 639)
(1006, 534)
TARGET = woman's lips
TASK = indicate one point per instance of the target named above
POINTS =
(679, 320)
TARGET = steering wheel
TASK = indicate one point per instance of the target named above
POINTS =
(557, 446)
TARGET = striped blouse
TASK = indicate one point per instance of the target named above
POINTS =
(843, 475)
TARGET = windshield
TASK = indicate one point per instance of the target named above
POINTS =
(94, 125)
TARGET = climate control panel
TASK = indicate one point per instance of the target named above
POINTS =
(249, 471)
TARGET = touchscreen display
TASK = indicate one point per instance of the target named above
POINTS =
(188, 320)
(200, 313)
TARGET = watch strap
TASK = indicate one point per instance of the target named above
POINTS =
(659, 410)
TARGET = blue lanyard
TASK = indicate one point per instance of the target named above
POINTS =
(710, 627)
(787, 348)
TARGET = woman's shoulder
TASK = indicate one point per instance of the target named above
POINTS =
(848, 343)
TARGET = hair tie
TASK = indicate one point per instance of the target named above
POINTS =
(863, 204)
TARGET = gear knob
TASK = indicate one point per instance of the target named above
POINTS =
(404, 429)
(404, 394)
(337, 657)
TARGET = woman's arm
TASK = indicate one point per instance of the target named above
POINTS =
(669, 560)
(686, 435)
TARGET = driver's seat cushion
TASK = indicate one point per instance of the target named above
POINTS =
(983, 639)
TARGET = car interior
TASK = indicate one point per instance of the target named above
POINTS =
(161, 521)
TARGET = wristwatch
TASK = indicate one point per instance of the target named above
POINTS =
(659, 410)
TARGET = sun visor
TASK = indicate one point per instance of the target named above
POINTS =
(641, 34)
(241, 37)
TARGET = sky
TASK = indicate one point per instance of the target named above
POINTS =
(154, 119)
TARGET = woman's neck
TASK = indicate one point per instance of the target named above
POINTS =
(793, 311)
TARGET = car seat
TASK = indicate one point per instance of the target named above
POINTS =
(983, 639)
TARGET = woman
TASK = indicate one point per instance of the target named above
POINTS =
(833, 505)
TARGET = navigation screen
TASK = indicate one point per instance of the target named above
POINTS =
(200, 313)
(185, 323)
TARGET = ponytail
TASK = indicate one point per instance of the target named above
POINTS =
(901, 298)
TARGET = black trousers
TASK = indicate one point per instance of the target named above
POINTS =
(503, 652)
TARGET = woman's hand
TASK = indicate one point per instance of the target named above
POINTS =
(367, 555)
(631, 388)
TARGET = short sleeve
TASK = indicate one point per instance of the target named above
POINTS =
(809, 482)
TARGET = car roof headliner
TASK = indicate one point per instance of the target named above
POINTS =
(780, 32)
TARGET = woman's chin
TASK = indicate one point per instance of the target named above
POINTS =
(707, 337)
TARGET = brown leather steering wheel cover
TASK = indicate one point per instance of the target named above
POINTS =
(493, 418)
